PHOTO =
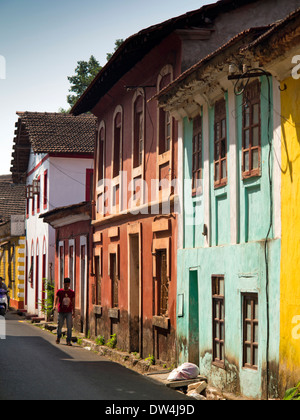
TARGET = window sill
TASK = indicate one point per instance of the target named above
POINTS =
(164, 157)
(97, 309)
(220, 365)
(113, 313)
(220, 184)
(251, 174)
(250, 369)
(161, 322)
(197, 193)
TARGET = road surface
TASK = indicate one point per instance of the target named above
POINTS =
(34, 367)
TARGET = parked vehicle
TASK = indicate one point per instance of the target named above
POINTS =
(3, 302)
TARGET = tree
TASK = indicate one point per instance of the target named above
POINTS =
(85, 72)
(118, 43)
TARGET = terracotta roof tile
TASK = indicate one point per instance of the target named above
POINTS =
(12, 199)
(60, 133)
(46, 132)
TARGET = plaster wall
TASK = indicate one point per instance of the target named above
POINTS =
(238, 219)
(66, 184)
(290, 249)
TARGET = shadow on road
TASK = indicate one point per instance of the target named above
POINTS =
(33, 367)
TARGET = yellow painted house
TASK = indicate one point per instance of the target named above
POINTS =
(12, 239)
(278, 52)
(290, 242)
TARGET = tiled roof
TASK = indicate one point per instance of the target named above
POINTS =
(12, 199)
(183, 78)
(45, 132)
(134, 48)
(59, 133)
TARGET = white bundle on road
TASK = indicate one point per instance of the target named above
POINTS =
(184, 371)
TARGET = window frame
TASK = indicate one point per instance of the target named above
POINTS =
(253, 297)
(220, 116)
(251, 97)
(45, 192)
(163, 284)
(165, 121)
(38, 197)
(219, 299)
(197, 155)
(101, 154)
(138, 131)
(117, 137)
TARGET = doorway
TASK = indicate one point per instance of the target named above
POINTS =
(134, 295)
(193, 318)
(82, 286)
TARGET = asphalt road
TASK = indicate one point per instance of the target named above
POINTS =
(34, 367)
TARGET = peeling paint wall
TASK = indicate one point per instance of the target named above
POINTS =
(241, 261)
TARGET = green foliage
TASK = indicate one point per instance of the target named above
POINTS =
(85, 73)
(100, 341)
(293, 394)
(112, 342)
(47, 304)
(118, 43)
(150, 359)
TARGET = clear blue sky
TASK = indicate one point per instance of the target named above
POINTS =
(41, 42)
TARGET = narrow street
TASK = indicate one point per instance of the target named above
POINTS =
(34, 367)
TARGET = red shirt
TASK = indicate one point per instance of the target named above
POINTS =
(65, 298)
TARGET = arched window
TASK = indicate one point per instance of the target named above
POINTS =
(101, 152)
(37, 275)
(31, 270)
(164, 118)
(138, 131)
(117, 142)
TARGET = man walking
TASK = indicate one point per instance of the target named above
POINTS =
(65, 298)
(4, 287)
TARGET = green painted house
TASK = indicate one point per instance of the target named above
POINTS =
(228, 255)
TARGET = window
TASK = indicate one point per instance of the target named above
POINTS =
(82, 276)
(218, 304)
(71, 264)
(27, 208)
(165, 121)
(250, 331)
(138, 137)
(220, 152)
(89, 185)
(162, 282)
(37, 277)
(114, 281)
(117, 144)
(101, 154)
(197, 153)
(61, 265)
(98, 278)
(45, 195)
(38, 199)
(251, 150)
(32, 207)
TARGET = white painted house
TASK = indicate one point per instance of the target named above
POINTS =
(53, 155)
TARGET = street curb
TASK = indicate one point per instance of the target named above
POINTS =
(129, 360)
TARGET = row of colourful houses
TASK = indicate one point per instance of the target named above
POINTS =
(186, 243)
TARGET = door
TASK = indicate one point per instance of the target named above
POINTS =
(134, 294)
(114, 291)
(82, 285)
(193, 318)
